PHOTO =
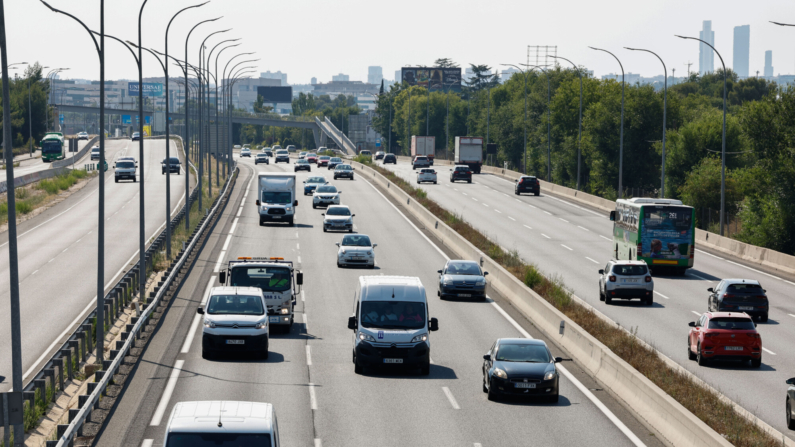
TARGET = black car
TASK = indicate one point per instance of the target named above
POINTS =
(269, 153)
(738, 295)
(790, 403)
(520, 367)
(390, 158)
(334, 162)
(527, 183)
(173, 166)
(343, 171)
(379, 155)
(462, 279)
(302, 165)
(461, 173)
(135, 136)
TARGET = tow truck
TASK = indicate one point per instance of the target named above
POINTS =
(278, 279)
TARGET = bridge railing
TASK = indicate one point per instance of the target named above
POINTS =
(271, 116)
(340, 138)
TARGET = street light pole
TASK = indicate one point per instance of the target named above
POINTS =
(621, 142)
(579, 133)
(141, 190)
(723, 139)
(665, 110)
(524, 164)
(218, 116)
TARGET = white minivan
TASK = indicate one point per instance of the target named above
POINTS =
(390, 324)
(235, 320)
(222, 424)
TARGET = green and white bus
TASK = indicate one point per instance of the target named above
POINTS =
(660, 232)
(52, 147)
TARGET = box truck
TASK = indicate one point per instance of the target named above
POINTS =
(423, 146)
(276, 197)
(469, 151)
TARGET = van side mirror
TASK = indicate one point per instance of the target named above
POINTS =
(222, 277)
(375, 245)
(692, 324)
(352, 323)
(601, 271)
(258, 202)
(612, 216)
(299, 278)
(487, 357)
(485, 273)
(710, 289)
(295, 203)
(200, 310)
(434, 326)
(337, 244)
(558, 359)
(791, 381)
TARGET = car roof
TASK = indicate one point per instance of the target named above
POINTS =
(741, 281)
(463, 261)
(337, 206)
(206, 416)
(229, 290)
(626, 262)
(728, 314)
(462, 166)
(529, 176)
(521, 341)
(403, 288)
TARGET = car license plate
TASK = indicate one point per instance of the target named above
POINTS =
(273, 319)
(629, 280)
(734, 348)
(277, 217)
(235, 342)
(746, 307)
(393, 360)
(464, 295)
(524, 385)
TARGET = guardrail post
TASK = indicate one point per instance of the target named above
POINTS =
(50, 373)
(61, 430)
(68, 354)
(87, 328)
(58, 363)
(41, 385)
(119, 291)
(82, 337)
(98, 376)
(108, 310)
(74, 345)
(116, 303)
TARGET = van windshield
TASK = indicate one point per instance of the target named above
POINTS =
(279, 198)
(270, 279)
(225, 439)
(393, 315)
(235, 305)
(125, 165)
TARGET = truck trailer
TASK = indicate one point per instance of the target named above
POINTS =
(423, 146)
(276, 197)
(469, 152)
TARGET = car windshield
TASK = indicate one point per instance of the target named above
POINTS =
(316, 180)
(428, 171)
(336, 160)
(461, 168)
(277, 198)
(745, 288)
(301, 162)
(262, 155)
(235, 305)
(522, 353)
(393, 315)
(271, 279)
(325, 157)
(338, 211)
(630, 269)
(356, 241)
(463, 268)
(225, 439)
(329, 189)
(742, 324)
(421, 158)
(125, 165)
(94, 149)
(343, 167)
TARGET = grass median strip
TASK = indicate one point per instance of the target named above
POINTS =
(30, 197)
(702, 402)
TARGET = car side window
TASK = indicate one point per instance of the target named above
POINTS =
(701, 321)
(607, 268)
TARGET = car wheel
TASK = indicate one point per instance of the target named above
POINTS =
(314, 206)
(554, 399)
(690, 355)
(702, 361)
(601, 295)
(608, 299)
(434, 182)
(117, 180)
(790, 421)
(357, 368)
(339, 266)
(491, 394)
(469, 181)
(351, 177)
(536, 194)
(425, 369)
(206, 354)
(264, 355)
(485, 388)
(516, 192)
(325, 230)
(756, 363)
(649, 301)
(763, 318)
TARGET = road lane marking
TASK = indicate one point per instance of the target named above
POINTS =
(476, 200)
(518, 200)
(228, 240)
(234, 225)
(529, 228)
(498, 211)
(509, 217)
(312, 397)
(53, 259)
(297, 246)
(583, 228)
(709, 254)
(308, 356)
(172, 383)
(299, 259)
(791, 315)
(658, 293)
(547, 212)
(64, 250)
(755, 270)
(592, 260)
(695, 312)
(220, 260)
(450, 398)
(239, 211)
(542, 234)
(484, 204)
(570, 249)
(605, 238)
(699, 277)
(531, 206)
(147, 443)
(242, 202)
(464, 193)
(303, 297)
(318, 442)
(769, 351)
(564, 220)
(306, 323)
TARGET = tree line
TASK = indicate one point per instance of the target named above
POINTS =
(24, 114)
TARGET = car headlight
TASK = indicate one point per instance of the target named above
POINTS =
(419, 338)
(500, 373)
(288, 208)
(209, 323)
(343, 251)
(447, 281)
(369, 253)
(261, 325)
(350, 220)
(284, 311)
(481, 282)
(550, 375)
(365, 337)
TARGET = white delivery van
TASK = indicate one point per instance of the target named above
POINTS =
(390, 324)
(276, 197)
(222, 423)
(235, 320)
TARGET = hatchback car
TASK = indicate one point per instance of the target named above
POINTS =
(325, 195)
(311, 158)
(302, 155)
(520, 367)
(420, 161)
(739, 295)
(172, 164)
(462, 279)
(135, 136)
(356, 249)
(527, 183)
(626, 280)
(343, 171)
(313, 182)
(245, 152)
(338, 217)
(82, 135)
(426, 175)
(323, 160)
(302, 165)
(262, 158)
(390, 158)
(379, 155)
(724, 336)
(95, 153)
(461, 173)
(333, 162)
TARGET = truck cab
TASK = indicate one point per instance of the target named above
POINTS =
(279, 281)
(276, 197)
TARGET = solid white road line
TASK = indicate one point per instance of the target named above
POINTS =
(172, 383)
(658, 293)
(308, 356)
(755, 270)
(303, 297)
(791, 315)
(147, 443)
(567, 248)
(36, 271)
(318, 442)
(695, 312)
(218, 264)
(769, 351)
(312, 397)
(542, 234)
(509, 217)
(306, 323)
(605, 238)
(234, 225)
(226, 243)
(709, 254)
(592, 260)
(197, 319)
(239, 211)
(450, 398)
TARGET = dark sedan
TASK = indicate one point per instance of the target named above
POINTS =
(461, 173)
(170, 165)
(390, 158)
(462, 279)
(790, 403)
(302, 165)
(527, 183)
(136, 136)
(520, 367)
(333, 162)
(739, 295)
(343, 171)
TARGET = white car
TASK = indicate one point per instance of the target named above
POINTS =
(426, 175)
(220, 423)
(338, 217)
(325, 195)
(356, 249)
(245, 152)
(302, 155)
(82, 135)
(235, 320)
(95, 153)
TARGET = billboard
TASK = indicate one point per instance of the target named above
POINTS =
(435, 79)
(150, 89)
(272, 95)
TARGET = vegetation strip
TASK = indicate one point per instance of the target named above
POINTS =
(704, 403)
(32, 197)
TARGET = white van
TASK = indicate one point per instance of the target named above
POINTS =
(222, 423)
(390, 324)
(235, 320)
(276, 197)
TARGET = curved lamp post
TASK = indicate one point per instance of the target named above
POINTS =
(218, 117)
(621, 141)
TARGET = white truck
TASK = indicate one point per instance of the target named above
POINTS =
(423, 146)
(279, 281)
(469, 152)
(276, 197)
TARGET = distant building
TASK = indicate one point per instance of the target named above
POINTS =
(244, 93)
(629, 78)
(742, 50)
(507, 73)
(768, 64)
(340, 78)
(785, 79)
(706, 56)
(366, 102)
(277, 75)
(335, 88)
(398, 76)
(313, 81)
(374, 75)
(302, 88)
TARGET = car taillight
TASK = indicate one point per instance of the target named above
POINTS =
(727, 295)
(761, 298)
(612, 278)
(648, 279)
(468, 172)
(521, 181)
(754, 335)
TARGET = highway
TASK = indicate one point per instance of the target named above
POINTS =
(30, 166)
(309, 376)
(58, 254)
(572, 242)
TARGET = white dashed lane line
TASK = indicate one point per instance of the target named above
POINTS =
(547, 212)
(312, 397)
(234, 225)
(592, 260)
(450, 398)
(769, 351)
(542, 234)
(583, 228)
(498, 211)
(605, 238)
(308, 356)
(483, 204)
(172, 383)
(509, 217)
(567, 248)
(699, 277)
(220, 261)
(698, 314)
(476, 200)
(226, 244)
(658, 293)
(564, 220)
(529, 228)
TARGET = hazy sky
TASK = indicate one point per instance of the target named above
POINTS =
(306, 38)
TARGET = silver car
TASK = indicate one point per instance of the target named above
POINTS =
(356, 249)
(626, 280)
(338, 217)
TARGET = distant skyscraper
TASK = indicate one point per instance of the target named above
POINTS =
(313, 81)
(341, 77)
(742, 50)
(706, 57)
(277, 75)
(374, 75)
(398, 78)
(768, 64)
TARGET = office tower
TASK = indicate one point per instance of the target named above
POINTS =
(742, 50)
(374, 75)
(768, 64)
(706, 57)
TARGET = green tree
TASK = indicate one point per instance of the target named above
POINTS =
(444, 62)
(481, 79)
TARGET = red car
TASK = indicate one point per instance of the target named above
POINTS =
(724, 336)
(312, 158)
(323, 160)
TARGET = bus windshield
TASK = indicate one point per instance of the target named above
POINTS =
(51, 147)
(667, 231)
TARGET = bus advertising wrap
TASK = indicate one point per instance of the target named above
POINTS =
(666, 232)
